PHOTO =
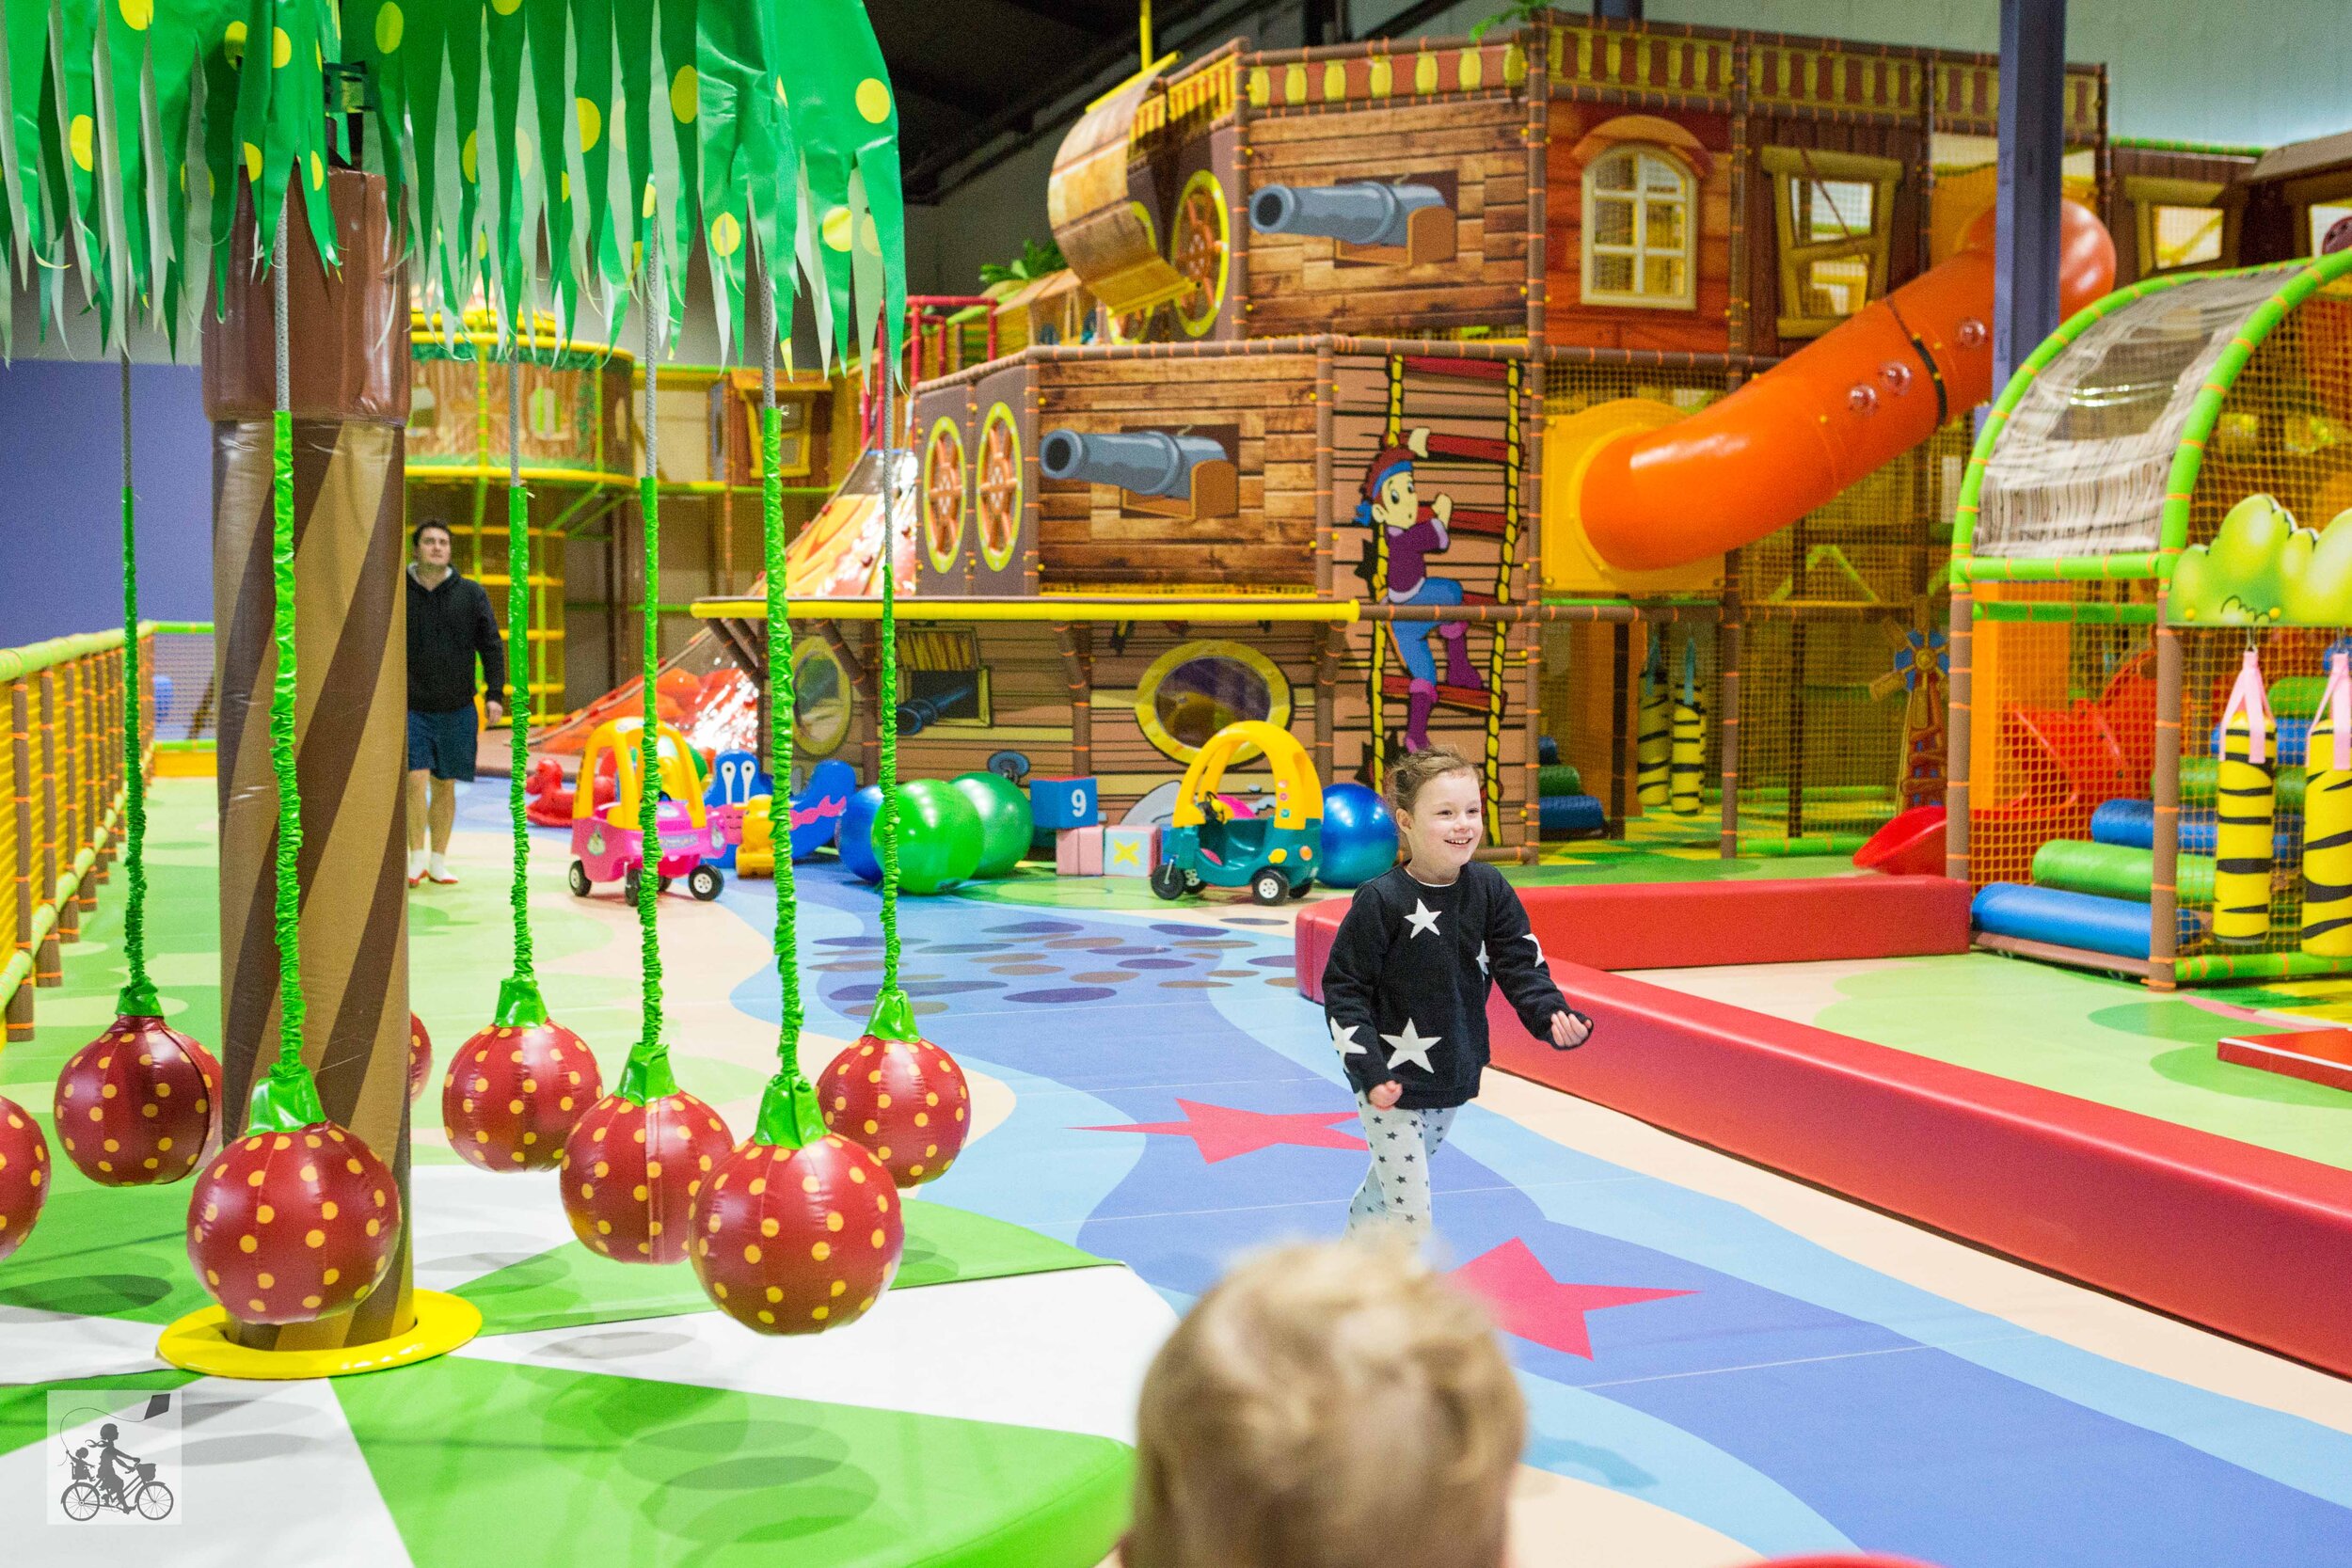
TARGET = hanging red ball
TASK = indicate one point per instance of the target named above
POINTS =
(905, 1101)
(420, 1058)
(631, 1173)
(514, 1093)
(23, 1175)
(287, 1228)
(136, 1106)
(798, 1241)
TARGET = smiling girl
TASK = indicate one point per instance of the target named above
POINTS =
(1404, 992)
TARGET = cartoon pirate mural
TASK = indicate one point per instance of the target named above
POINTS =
(1416, 530)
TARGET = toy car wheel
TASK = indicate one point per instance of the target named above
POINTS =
(1269, 887)
(705, 881)
(1170, 881)
(1302, 889)
(581, 885)
(662, 884)
(629, 886)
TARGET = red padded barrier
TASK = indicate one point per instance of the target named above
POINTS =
(2248, 1241)
(1695, 924)
(2243, 1239)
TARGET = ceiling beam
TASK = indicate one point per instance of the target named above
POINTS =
(1061, 100)
(971, 99)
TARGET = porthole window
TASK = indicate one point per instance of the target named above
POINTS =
(824, 702)
(1194, 690)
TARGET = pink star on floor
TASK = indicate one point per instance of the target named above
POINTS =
(1527, 1302)
(1224, 1131)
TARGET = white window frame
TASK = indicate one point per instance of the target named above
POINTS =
(1688, 251)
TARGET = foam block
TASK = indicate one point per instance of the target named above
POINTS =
(1688, 925)
(1057, 803)
(2083, 920)
(1129, 851)
(1565, 816)
(1078, 851)
(2132, 825)
(2314, 1055)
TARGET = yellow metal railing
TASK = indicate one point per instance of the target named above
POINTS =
(61, 807)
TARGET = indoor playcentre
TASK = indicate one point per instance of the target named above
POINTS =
(1002, 684)
(1379, 393)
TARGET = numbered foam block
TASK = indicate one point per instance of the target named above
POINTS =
(1131, 851)
(1058, 803)
(1078, 851)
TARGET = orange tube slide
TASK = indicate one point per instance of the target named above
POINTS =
(1862, 395)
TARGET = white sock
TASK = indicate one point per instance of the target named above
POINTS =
(416, 863)
(438, 865)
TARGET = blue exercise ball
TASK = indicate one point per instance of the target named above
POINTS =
(1359, 836)
(856, 844)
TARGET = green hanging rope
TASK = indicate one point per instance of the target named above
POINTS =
(139, 999)
(892, 1018)
(520, 1006)
(287, 1096)
(789, 1113)
(647, 1075)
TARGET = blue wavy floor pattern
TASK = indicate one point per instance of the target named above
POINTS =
(1787, 1396)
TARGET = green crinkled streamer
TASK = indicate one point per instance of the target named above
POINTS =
(287, 1096)
(647, 1075)
(139, 999)
(517, 669)
(788, 1116)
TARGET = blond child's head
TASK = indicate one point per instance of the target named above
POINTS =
(1327, 1406)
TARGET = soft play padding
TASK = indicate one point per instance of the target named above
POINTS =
(2118, 871)
(1560, 816)
(2252, 1242)
(2132, 825)
(1692, 925)
(2079, 919)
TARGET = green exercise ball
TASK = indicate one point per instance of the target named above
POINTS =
(939, 836)
(1005, 826)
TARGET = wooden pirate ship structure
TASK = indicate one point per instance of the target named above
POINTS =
(1372, 320)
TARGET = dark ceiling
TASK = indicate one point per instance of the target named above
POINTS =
(978, 80)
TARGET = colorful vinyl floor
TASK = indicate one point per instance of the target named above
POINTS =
(1720, 1364)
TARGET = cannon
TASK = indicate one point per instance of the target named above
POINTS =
(1187, 476)
(1370, 220)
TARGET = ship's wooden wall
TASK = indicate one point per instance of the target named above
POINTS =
(1088, 538)
(2121, 212)
(1028, 707)
(1296, 283)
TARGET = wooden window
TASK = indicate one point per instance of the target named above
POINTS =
(1641, 229)
(1833, 214)
(2175, 222)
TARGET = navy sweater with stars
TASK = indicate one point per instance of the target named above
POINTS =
(1405, 990)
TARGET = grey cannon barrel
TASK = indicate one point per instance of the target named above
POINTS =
(1361, 211)
(1147, 462)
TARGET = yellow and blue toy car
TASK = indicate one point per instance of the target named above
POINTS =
(1273, 854)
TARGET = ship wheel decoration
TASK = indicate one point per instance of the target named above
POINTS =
(943, 494)
(998, 487)
(1198, 242)
(1135, 325)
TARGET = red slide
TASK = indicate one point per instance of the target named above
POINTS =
(1867, 391)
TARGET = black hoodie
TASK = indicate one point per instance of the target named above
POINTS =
(447, 626)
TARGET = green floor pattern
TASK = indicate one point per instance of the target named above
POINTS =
(611, 1466)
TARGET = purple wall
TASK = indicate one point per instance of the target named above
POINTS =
(62, 497)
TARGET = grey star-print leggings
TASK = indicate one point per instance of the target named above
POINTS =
(1396, 1189)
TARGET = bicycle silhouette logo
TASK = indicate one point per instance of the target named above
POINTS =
(113, 1463)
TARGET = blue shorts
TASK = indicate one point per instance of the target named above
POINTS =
(443, 744)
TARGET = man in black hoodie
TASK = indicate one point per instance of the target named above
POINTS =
(449, 624)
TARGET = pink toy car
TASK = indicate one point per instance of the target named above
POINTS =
(606, 840)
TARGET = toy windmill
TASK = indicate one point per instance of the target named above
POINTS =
(1921, 665)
